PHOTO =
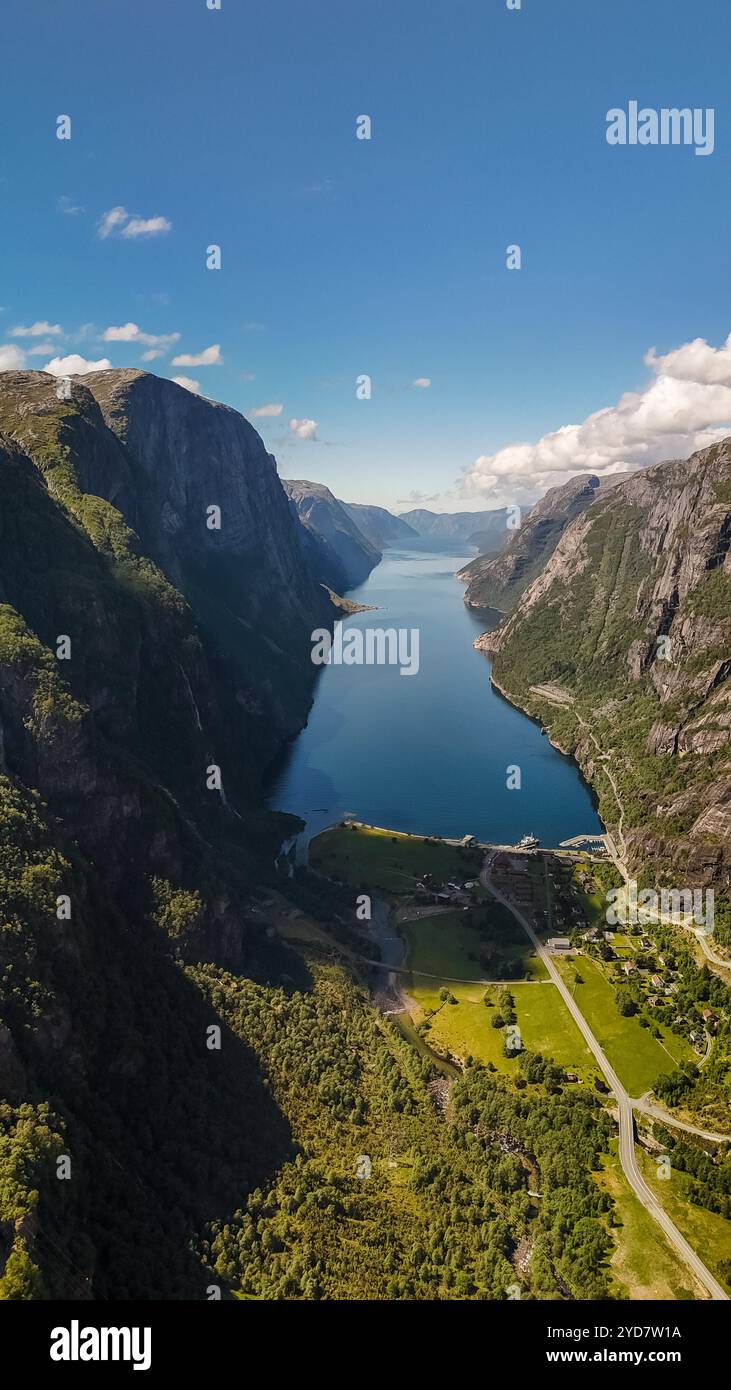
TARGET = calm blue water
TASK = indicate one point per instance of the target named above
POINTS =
(429, 752)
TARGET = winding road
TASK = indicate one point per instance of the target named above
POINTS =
(625, 1103)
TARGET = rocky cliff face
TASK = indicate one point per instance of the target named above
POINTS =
(630, 622)
(139, 650)
(498, 581)
(334, 532)
(166, 460)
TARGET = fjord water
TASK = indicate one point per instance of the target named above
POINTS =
(428, 752)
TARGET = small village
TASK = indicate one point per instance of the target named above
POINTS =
(644, 976)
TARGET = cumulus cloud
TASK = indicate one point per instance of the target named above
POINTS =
(209, 357)
(696, 361)
(685, 406)
(274, 408)
(188, 383)
(157, 343)
(12, 358)
(304, 429)
(40, 329)
(423, 382)
(41, 350)
(74, 365)
(118, 222)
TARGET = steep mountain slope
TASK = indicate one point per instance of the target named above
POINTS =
(119, 859)
(249, 581)
(329, 522)
(631, 619)
(162, 457)
(498, 581)
(379, 526)
(486, 529)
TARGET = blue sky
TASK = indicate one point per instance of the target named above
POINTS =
(387, 256)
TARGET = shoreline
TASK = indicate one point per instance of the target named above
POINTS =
(565, 753)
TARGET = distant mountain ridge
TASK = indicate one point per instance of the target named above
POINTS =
(379, 526)
(487, 529)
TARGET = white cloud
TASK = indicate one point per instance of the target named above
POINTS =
(422, 382)
(272, 409)
(304, 429)
(12, 358)
(209, 357)
(68, 207)
(147, 226)
(41, 329)
(158, 343)
(417, 499)
(188, 383)
(110, 222)
(118, 222)
(696, 361)
(73, 365)
(41, 350)
(248, 376)
(686, 406)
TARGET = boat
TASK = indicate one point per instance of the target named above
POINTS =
(528, 842)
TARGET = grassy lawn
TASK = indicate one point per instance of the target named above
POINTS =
(643, 1263)
(547, 1027)
(388, 860)
(708, 1233)
(445, 946)
(450, 944)
(465, 1028)
(637, 1057)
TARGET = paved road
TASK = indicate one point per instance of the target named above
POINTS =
(657, 1113)
(626, 1121)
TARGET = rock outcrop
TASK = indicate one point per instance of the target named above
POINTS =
(340, 550)
(498, 581)
(631, 617)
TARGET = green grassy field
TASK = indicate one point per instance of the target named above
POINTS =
(708, 1233)
(387, 860)
(443, 946)
(643, 1265)
(449, 944)
(465, 1028)
(637, 1057)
